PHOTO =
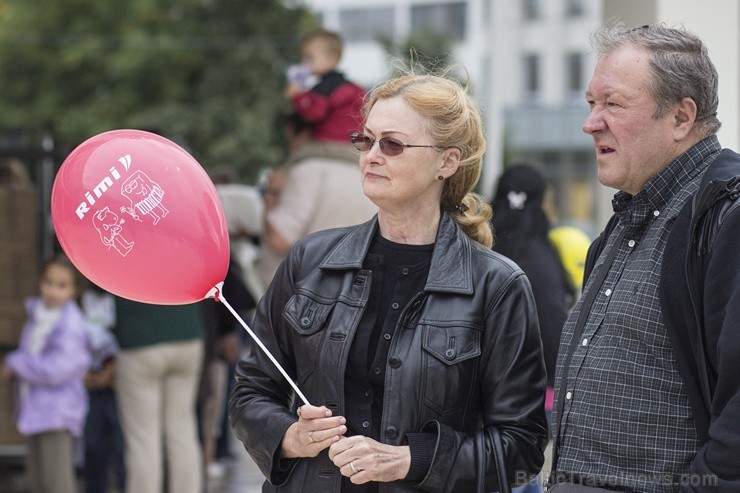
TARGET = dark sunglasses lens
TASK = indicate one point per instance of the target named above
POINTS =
(361, 142)
(390, 147)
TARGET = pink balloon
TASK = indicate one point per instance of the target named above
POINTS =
(139, 217)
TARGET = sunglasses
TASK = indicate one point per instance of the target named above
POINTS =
(388, 145)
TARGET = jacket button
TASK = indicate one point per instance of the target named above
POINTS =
(394, 362)
(450, 354)
(391, 432)
(305, 321)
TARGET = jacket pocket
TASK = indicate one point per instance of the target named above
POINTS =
(450, 362)
(307, 317)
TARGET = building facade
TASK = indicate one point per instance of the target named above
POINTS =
(528, 63)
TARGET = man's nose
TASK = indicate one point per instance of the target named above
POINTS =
(593, 123)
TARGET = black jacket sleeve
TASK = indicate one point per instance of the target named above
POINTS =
(717, 464)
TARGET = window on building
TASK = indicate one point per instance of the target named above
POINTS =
(444, 18)
(574, 8)
(532, 76)
(574, 73)
(531, 9)
(367, 24)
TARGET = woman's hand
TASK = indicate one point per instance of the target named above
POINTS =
(362, 459)
(315, 430)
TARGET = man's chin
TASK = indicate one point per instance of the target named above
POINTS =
(607, 179)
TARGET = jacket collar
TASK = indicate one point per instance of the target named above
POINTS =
(449, 272)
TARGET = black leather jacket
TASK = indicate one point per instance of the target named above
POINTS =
(467, 351)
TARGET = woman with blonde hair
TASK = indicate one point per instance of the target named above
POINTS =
(414, 343)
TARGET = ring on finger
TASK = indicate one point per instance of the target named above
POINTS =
(310, 436)
(352, 466)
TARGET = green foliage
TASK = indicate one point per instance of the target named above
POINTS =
(208, 74)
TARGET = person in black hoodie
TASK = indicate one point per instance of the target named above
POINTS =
(521, 229)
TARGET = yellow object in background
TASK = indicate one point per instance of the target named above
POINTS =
(572, 245)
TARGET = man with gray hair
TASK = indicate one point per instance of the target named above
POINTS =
(647, 387)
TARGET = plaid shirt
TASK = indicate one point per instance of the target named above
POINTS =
(626, 422)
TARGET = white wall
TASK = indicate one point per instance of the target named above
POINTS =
(717, 23)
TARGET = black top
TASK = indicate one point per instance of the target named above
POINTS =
(399, 272)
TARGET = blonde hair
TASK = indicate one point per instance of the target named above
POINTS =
(453, 120)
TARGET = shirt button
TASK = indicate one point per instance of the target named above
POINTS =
(405, 271)
(387, 337)
(608, 292)
(365, 424)
(584, 343)
(656, 213)
(631, 243)
(394, 306)
(568, 396)
(377, 370)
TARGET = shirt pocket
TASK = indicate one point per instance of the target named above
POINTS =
(308, 317)
(450, 361)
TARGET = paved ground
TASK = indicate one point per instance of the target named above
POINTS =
(238, 474)
(241, 475)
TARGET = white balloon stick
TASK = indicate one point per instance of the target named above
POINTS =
(267, 351)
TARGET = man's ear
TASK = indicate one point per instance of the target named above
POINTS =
(450, 161)
(684, 114)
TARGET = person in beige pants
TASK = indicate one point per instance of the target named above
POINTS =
(157, 382)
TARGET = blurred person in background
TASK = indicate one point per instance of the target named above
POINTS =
(243, 209)
(521, 228)
(332, 105)
(222, 345)
(157, 379)
(103, 449)
(322, 189)
(273, 181)
(49, 368)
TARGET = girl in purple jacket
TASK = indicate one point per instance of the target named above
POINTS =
(49, 368)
